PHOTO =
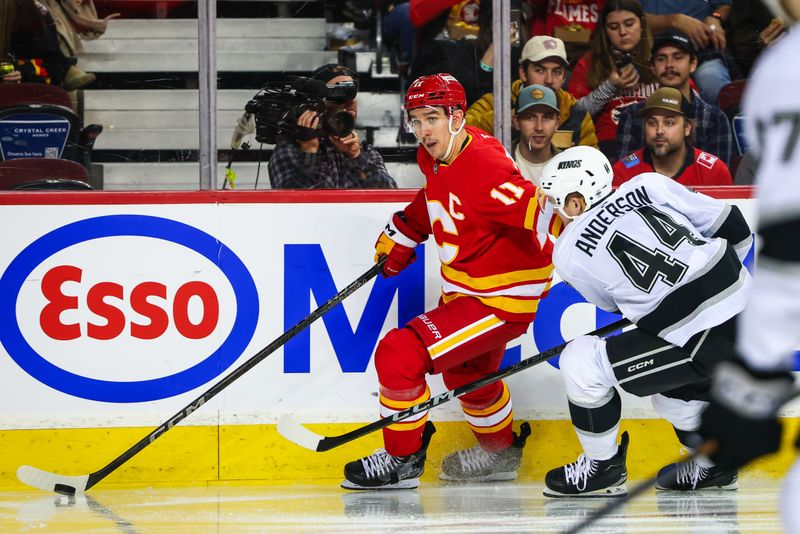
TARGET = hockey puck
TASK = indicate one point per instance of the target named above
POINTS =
(63, 489)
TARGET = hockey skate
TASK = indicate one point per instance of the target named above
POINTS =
(591, 478)
(381, 471)
(479, 465)
(689, 476)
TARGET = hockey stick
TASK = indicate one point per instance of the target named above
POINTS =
(69, 485)
(705, 449)
(614, 504)
(291, 429)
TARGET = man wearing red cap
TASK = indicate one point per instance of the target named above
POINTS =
(491, 235)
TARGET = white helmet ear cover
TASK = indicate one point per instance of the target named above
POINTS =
(581, 169)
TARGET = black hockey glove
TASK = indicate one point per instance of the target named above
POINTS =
(742, 417)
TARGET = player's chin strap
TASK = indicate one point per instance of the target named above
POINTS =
(564, 214)
(453, 135)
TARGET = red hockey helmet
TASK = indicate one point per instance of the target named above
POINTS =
(436, 90)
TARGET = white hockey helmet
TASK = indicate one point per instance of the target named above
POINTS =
(580, 169)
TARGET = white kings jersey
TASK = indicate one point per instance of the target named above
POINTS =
(667, 258)
(770, 326)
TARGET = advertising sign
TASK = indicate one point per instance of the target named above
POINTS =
(33, 135)
(117, 314)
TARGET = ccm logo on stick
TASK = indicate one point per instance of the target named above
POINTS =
(99, 300)
(126, 308)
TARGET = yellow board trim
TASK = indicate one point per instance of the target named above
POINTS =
(237, 454)
(485, 283)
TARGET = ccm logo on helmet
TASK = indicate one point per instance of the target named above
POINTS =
(126, 308)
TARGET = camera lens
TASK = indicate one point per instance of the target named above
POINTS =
(339, 124)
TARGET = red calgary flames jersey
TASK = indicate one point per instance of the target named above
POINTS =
(491, 231)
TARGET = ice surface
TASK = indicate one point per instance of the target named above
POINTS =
(435, 507)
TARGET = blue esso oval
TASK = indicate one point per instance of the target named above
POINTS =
(244, 290)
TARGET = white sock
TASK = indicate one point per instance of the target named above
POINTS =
(599, 446)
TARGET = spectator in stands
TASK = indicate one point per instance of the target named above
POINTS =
(76, 20)
(668, 129)
(573, 22)
(330, 162)
(543, 62)
(751, 29)
(702, 21)
(28, 38)
(455, 36)
(397, 28)
(745, 173)
(615, 73)
(674, 59)
(536, 119)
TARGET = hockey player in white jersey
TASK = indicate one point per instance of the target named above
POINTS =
(670, 260)
(748, 392)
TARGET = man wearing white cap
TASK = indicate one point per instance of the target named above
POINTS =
(544, 62)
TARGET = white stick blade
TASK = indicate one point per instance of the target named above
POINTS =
(47, 481)
(291, 429)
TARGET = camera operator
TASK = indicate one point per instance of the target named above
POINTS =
(329, 162)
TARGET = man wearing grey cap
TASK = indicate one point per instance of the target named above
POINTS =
(537, 120)
(674, 60)
(543, 62)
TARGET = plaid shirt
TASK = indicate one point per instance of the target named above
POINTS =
(712, 130)
(290, 168)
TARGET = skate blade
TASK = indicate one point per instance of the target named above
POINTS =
(613, 491)
(733, 486)
(403, 484)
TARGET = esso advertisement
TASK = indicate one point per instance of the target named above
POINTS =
(126, 308)
(114, 315)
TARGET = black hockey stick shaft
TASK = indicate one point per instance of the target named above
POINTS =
(184, 412)
(705, 449)
(332, 442)
(614, 504)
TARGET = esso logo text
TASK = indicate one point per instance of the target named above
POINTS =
(114, 322)
(127, 308)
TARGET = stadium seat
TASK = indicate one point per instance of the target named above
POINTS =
(37, 120)
(730, 98)
(41, 173)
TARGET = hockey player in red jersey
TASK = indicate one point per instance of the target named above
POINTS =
(491, 235)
